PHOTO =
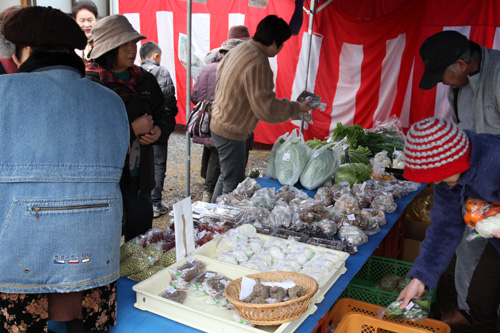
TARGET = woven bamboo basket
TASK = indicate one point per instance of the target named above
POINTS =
(278, 313)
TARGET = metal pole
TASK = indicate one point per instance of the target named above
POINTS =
(188, 101)
(309, 31)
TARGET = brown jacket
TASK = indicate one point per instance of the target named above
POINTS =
(245, 94)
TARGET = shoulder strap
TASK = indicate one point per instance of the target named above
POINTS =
(455, 102)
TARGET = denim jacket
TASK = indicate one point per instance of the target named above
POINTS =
(63, 142)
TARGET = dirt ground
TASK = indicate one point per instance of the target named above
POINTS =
(175, 189)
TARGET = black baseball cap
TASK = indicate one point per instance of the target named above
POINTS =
(438, 52)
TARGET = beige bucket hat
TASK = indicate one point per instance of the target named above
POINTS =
(111, 32)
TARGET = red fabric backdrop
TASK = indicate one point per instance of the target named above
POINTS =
(365, 66)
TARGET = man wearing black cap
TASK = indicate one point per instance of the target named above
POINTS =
(473, 74)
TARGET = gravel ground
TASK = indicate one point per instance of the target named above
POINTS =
(175, 190)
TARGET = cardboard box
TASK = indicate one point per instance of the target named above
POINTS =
(411, 249)
(415, 229)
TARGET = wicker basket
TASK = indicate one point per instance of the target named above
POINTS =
(278, 313)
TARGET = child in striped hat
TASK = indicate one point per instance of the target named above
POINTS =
(461, 164)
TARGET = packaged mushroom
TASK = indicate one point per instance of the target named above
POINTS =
(324, 195)
(353, 235)
(384, 202)
(346, 204)
(246, 189)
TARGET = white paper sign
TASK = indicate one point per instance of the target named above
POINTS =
(184, 230)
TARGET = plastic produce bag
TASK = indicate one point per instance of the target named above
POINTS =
(353, 173)
(417, 309)
(291, 158)
(264, 198)
(320, 168)
(353, 235)
(271, 169)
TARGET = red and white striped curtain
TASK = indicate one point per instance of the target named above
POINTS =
(364, 54)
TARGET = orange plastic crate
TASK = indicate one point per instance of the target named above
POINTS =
(345, 306)
(357, 322)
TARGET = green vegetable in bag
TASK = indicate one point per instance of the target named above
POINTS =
(271, 168)
(291, 158)
(353, 173)
(321, 166)
(416, 309)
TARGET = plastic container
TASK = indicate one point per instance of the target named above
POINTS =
(195, 311)
(374, 270)
(344, 306)
(356, 323)
(208, 251)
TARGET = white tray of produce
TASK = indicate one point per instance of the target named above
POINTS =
(209, 251)
(195, 311)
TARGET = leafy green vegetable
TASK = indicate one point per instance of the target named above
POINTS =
(271, 168)
(358, 155)
(416, 309)
(316, 143)
(321, 166)
(377, 142)
(291, 158)
(353, 133)
(353, 173)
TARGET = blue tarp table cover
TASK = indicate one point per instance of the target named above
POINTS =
(130, 319)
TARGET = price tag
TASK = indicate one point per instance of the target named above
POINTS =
(233, 233)
(171, 289)
(351, 217)
(286, 157)
(209, 275)
(409, 306)
(316, 153)
(202, 234)
(191, 259)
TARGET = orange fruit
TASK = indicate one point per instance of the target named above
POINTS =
(467, 217)
(492, 211)
(474, 205)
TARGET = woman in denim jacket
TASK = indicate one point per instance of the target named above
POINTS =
(63, 141)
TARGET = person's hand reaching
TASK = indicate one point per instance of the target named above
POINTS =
(413, 290)
(304, 107)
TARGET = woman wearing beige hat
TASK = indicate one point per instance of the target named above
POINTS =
(112, 65)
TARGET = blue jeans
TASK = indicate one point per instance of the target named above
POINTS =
(160, 158)
(233, 161)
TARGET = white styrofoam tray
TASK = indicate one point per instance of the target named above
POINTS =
(208, 251)
(195, 311)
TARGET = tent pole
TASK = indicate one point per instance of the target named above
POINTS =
(309, 31)
(188, 100)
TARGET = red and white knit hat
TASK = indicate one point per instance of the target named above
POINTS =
(435, 149)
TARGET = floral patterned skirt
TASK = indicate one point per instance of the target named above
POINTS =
(30, 312)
